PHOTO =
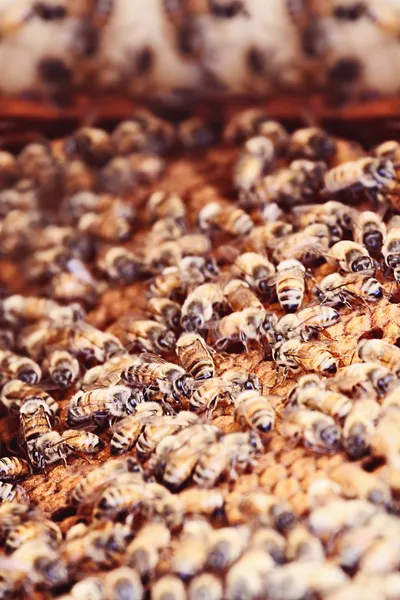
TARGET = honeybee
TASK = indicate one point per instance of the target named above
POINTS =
(149, 336)
(306, 323)
(329, 520)
(255, 121)
(232, 454)
(352, 257)
(162, 205)
(16, 392)
(123, 580)
(310, 356)
(256, 270)
(168, 585)
(312, 143)
(272, 542)
(370, 230)
(153, 373)
(383, 440)
(12, 199)
(242, 326)
(256, 157)
(103, 544)
(35, 419)
(96, 406)
(89, 486)
(126, 495)
(317, 430)
(239, 295)
(225, 387)
(90, 344)
(391, 247)
(359, 427)
(19, 367)
(90, 144)
(186, 448)
(367, 378)
(261, 238)
(246, 578)
(297, 579)
(143, 132)
(16, 308)
(338, 216)
(162, 255)
(119, 264)
(255, 411)
(357, 483)
(191, 550)
(112, 226)
(207, 502)
(168, 229)
(168, 284)
(165, 311)
(308, 246)
(332, 403)
(13, 468)
(225, 217)
(13, 228)
(371, 176)
(380, 352)
(143, 553)
(303, 546)
(226, 545)
(201, 305)
(194, 356)
(128, 430)
(62, 367)
(11, 492)
(338, 290)
(205, 587)
(43, 530)
(74, 442)
(290, 284)
(88, 587)
(40, 564)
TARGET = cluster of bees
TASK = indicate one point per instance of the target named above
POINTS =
(260, 460)
(58, 46)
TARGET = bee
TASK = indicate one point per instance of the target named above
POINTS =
(370, 231)
(255, 411)
(187, 448)
(16, 308)
(143, 132)
(12, 199)
(242, 326)
(298, 579)
(256, 270)
(13, 468)
(143, 553)
(126, 495)
(337, 216)
(338, 290)
(308, 246)
(78, 177)
(290, 284)
(194, 244)
(271, 542)
(165, 311)
(90, 144)
(62, 367)
(102, 544)
(71, 287)
(316, 397)
(246, 578)
(90, 486)
(168, 587)
(232, 454)
(359, 427)
(196, 270)
(11, 492)
(380, 352)
(303, 546)
(239, 295)
(112, 226)
(312, 143)
(207, 502)
(261, 238)
(317, 430)
(256, 158)
(367, 176)
(368, 378)
(383, 441)
(205, 586)
(121, 583)
(168, 229)
(194, 356)
(12, 239)
(224, 217)
(168, 284)
(15, 393)
(96, 406)
(73, 442)
(359, 484)
(149, 336)
(191, 550)
(19, 367)
(391, 247)
(225, 387)
(255, 121)
(35, 420)
(201, 306)
(162, 255)
(162, 205)
(352, 257)
(40, 564)
(44, 530)
(226, 546)
(128, 430)
(88, 587)
(119, 264)
(151, 372)
(331, 519)
(307, 323)
(310, 356)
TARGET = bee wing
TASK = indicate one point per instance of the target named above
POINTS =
(80, 271)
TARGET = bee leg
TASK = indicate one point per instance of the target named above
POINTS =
(167, 406)
(243, 339)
